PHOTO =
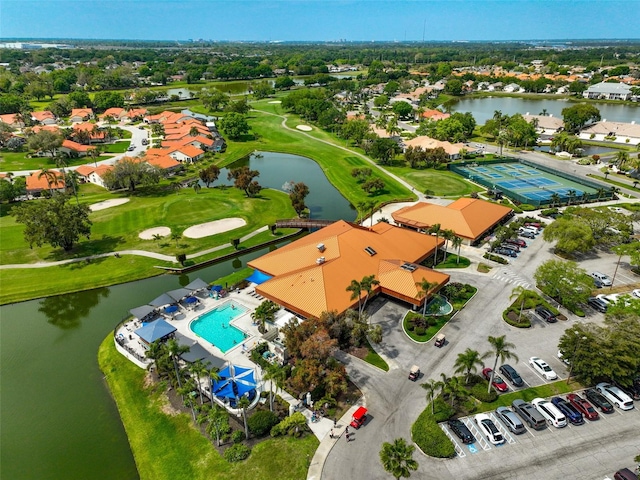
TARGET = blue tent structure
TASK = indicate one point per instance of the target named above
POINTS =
(235, 381)
(150, 332)
(258, 277)
(216, 288)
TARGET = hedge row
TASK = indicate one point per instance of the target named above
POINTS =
(495, 258)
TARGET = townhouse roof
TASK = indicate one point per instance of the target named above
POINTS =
(36, 181)
(468, 217)
(547, 122)
(163, 161)
(616, 128)
(113, 112)
(42, 115)
(425, 143)
(9, 118)
(50, 128)
(81, 112)
(77, 147)
(435, 115)
(311, 275)
(604, 87)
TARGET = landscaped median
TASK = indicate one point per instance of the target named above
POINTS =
(166, 445)
(517, 315)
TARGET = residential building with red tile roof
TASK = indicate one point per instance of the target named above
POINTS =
(50, 128)
(44, 117)
(470, 218)
(95, 175)
(310, 275)
(200, 141)
(81, 114)
(37, 182)
(95, 134)
(164, 162)
(134, 114)
(435, 115)
(185, 153)
(12, 119)
(426, 143)
(70, 147)
(113, 112)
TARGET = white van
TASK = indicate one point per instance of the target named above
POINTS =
(550, 412)
(615, 396)
(533, 230)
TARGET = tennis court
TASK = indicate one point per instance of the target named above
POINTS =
(528, 184)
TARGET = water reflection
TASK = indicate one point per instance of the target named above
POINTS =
(67, 311)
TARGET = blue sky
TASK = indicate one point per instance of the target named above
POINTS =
(313, 20)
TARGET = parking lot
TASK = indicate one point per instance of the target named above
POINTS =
(536, 451)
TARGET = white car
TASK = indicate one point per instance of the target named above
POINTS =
(616, 396)
(489, 429)
(542, 368)
(636, 293)
(550, 412)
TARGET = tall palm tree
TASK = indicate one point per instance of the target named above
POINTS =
(185, 392)
(432, 387)
(571, 196)
(270, 374)
(368, 206)
(355, 287)
(196, 186)
(435, 229)
(51, 176)
(154, 352)
(517, 292)
(456, 242)
(175, 350)
(447, 234)
(243, 403)
(601, 192)
(555, 199)
(198, 369)
(367, 284)
(214, 376)
(621, 157)
(218, 420)
(424, 286)
(468, 363)
(502, 351)
(397, 458)
(452, 387)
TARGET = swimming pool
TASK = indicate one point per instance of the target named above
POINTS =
(214, 326)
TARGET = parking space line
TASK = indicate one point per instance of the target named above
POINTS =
(471, 425)
(503, 430)
(456, 446)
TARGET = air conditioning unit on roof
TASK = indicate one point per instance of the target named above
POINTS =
(320, 260)
(321, 247)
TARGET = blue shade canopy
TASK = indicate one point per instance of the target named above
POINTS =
(258, 277)
(217, 288)
(234, 382)
(170, 309)
(190, 300)
(142, 312)
(150, 332)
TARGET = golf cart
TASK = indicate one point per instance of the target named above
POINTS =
(414, 373)
(440, 340)
(359, 417)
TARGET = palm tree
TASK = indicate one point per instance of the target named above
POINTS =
(447, 234)
(198, 369)
(456, 242)
(51, 176)
(571, 195)
(72, 177)
(517, 292)
(453, 388)
(367, 283)
(217, 419)
(185, 392)
(155, 351)
(176, 236)
(355, 287)
(468, 363)
(266, 312)
(435, 229)
(397, 458)
(270, 374)
(368, 206)
(621, 157)
(543, 112)
(243, 403)
(214, 376)
(601, 192)
(555, 199)
(175, 350)
(432, 387)
(196, 186)
(424, 287)
(501, 350)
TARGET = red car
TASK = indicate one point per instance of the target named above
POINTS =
(584, 407)
(498, 383)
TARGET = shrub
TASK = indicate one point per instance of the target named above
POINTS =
(428, 435)
(511, 317)
(527, 208)
(293, 425)
(237, 436)
(236, 453)
(420, 330)
(479, 391)
(261, 423)
(548, 211)
(495, 258)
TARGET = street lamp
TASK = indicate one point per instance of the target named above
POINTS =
(573, 357)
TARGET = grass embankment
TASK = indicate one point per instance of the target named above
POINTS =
(374, 359)
(628, 186)
(17, 161)
(436, 182)
(516, 315)
(167, 446)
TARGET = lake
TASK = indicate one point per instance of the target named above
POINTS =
(58, 419)
(484, 107)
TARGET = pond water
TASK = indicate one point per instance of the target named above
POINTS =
(276, 169)
(483, 108)
(58, 419)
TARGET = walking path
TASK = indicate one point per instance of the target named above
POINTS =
(141, 253)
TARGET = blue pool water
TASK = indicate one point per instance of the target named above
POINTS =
(214, 326)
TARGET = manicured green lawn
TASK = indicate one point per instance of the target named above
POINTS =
(436, 182)
(16, 161)
(376, 360)
(543, 391)
(118, 147)
(452, 261)
(169, 447)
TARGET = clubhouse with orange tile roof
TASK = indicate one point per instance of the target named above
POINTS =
(469, 218)
(310, 275)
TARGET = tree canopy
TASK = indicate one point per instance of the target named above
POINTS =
(243, 178)
(130, 172)
(578, 116)
(54, 221)
(565, 281)
(234, 125)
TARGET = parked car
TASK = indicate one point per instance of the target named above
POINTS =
(489, 429)
(526, 234)
(569, 411)
(510, 374)
(597, 304)
(632, 390)
(498, 382)
(461, 430)
(605, 279)
(510, 420)
(549, 411)
(584, 407)
(546, 314)
(511, 246)
(625, 474)
(542, 368)
(616, 396)
(145, 141)
(597, 283)
(516, 241)
(529, 414)
(598, 400)
(636, 293)
(131, 148)
(534, 225)
(505, 251)
(533, 230)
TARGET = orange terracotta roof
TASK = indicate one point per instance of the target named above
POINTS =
(164, 162)
(113, 112)
(81, 112)
(309, 287)
(42, 115)
(425, 143)
(78, 147)
(188, 150)
(435, 114)
(9, 118)
(467, 217)
(50, 128)
(102, 169)
(89, 127)
(35, 183)
(154, 152)
(187, 141)
(84, 170)
(135, 112)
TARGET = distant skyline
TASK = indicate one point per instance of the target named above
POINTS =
(326, 20)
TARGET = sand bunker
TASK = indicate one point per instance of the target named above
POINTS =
(108, 204)
(275, 101)
(213, 228)
(150, 232)
(304, 128)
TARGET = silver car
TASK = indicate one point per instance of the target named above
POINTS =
(510, 420)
